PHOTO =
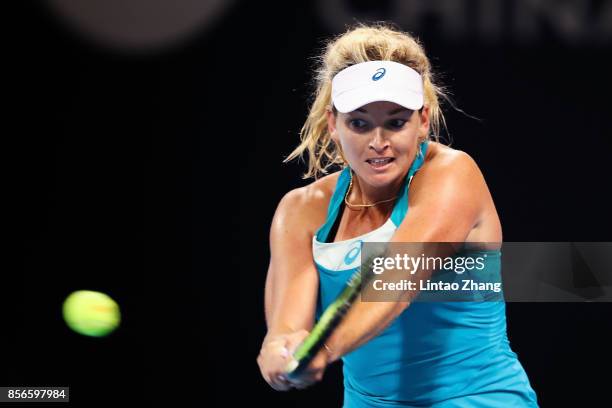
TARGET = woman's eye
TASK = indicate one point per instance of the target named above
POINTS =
(358, 123)
(397, 123)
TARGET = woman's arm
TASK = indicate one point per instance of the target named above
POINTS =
(446, 202)
(292, 280)
(291, 283)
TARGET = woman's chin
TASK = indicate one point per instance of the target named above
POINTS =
(381, 178)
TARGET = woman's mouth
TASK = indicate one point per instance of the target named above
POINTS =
(380, 163)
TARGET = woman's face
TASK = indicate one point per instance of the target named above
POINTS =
(379, 140)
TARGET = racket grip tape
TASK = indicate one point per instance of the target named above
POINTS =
(315, 341)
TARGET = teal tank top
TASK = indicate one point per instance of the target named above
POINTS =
(434, 354)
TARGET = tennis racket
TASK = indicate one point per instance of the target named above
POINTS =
(330, 319)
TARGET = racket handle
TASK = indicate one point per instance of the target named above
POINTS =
(295, 367)
(293, 364)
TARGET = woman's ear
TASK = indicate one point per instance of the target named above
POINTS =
(424, 116)
(331, 124)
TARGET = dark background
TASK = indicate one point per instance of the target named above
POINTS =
(151, 173)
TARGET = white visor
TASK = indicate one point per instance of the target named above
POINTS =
(374, 81)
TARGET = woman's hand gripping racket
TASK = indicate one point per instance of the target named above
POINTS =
(330, 319)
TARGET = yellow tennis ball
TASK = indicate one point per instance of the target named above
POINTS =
(91, 313)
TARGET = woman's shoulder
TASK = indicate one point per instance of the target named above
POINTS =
(309, 203)
(443, 161)
(316, 193)
(439, 155)
(444, 169)
(451, 181)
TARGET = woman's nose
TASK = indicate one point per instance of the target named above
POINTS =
(379, 142)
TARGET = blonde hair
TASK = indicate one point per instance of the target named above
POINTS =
(378, 41)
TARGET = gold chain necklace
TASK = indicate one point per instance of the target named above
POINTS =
(348, 191)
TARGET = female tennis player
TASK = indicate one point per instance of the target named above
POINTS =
(376, 115)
